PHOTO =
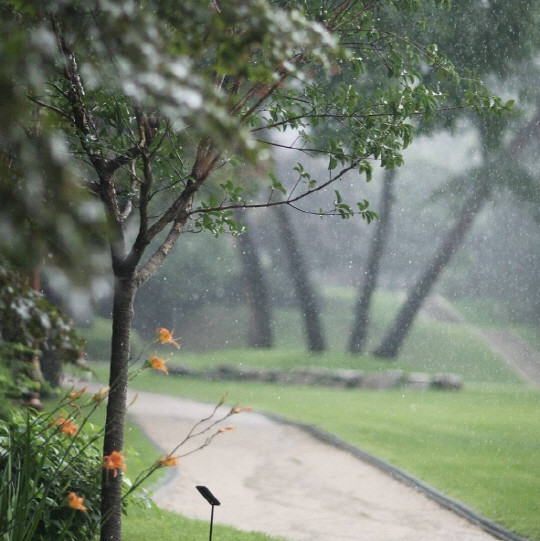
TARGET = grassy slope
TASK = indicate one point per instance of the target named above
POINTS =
(490, 313)
(431, 347)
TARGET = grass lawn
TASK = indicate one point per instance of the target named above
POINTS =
(491, 313)
(431, 346)
(481, 445)
(167, 526)
(531, 334)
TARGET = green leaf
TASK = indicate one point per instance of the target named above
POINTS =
(332, 164)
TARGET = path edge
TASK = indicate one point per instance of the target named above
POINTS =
(489, 526)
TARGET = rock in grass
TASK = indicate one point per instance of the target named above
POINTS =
(449, 382)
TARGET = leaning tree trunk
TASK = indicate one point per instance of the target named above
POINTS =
(305, 291)
(382, 228)
(395, 337)
(260, 333)
(111, 493)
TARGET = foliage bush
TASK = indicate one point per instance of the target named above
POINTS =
(15, 376)
(27, 318)
(51, 472)
(36, 339)
(41, 464)
(51, 464)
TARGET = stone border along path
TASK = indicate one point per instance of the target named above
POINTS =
(299, 482)
(344, 378)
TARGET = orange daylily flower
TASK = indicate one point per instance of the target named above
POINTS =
(76, 502)
(169, 461)
(239, 409)
(156, 363)
(166, 337)
(114, 461)
(67, 427)
(77, 394)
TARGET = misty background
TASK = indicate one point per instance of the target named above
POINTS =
(201, 289)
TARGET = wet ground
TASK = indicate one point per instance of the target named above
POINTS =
(278, 479)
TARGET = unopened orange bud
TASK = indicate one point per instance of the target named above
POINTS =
(77, 394)
(226, 429)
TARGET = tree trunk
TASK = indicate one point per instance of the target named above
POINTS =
(111, 492)
(305, 292)
(51, 364)
(260, 333)
(395, 337)
(382, 228)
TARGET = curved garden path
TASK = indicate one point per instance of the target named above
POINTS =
(277, 478)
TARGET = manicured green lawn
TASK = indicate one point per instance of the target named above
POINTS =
(492, 313)
(481, 445)
(531, 334)
(166, 526)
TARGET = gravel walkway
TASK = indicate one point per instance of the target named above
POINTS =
(276, 478)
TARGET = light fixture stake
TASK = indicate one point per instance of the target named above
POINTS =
(212, 500)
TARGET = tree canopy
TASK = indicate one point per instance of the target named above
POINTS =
(195, 87)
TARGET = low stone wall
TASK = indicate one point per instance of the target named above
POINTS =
(352, 379)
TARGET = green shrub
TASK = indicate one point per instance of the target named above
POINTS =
(51, 473)
(44, 458)
(51, 467)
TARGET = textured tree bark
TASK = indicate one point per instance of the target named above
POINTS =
(111, 490)
(260, 334)
(395, 337)
(382, 228)
(51, 364)
(305, 292)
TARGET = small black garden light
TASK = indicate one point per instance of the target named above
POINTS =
(212, 500)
